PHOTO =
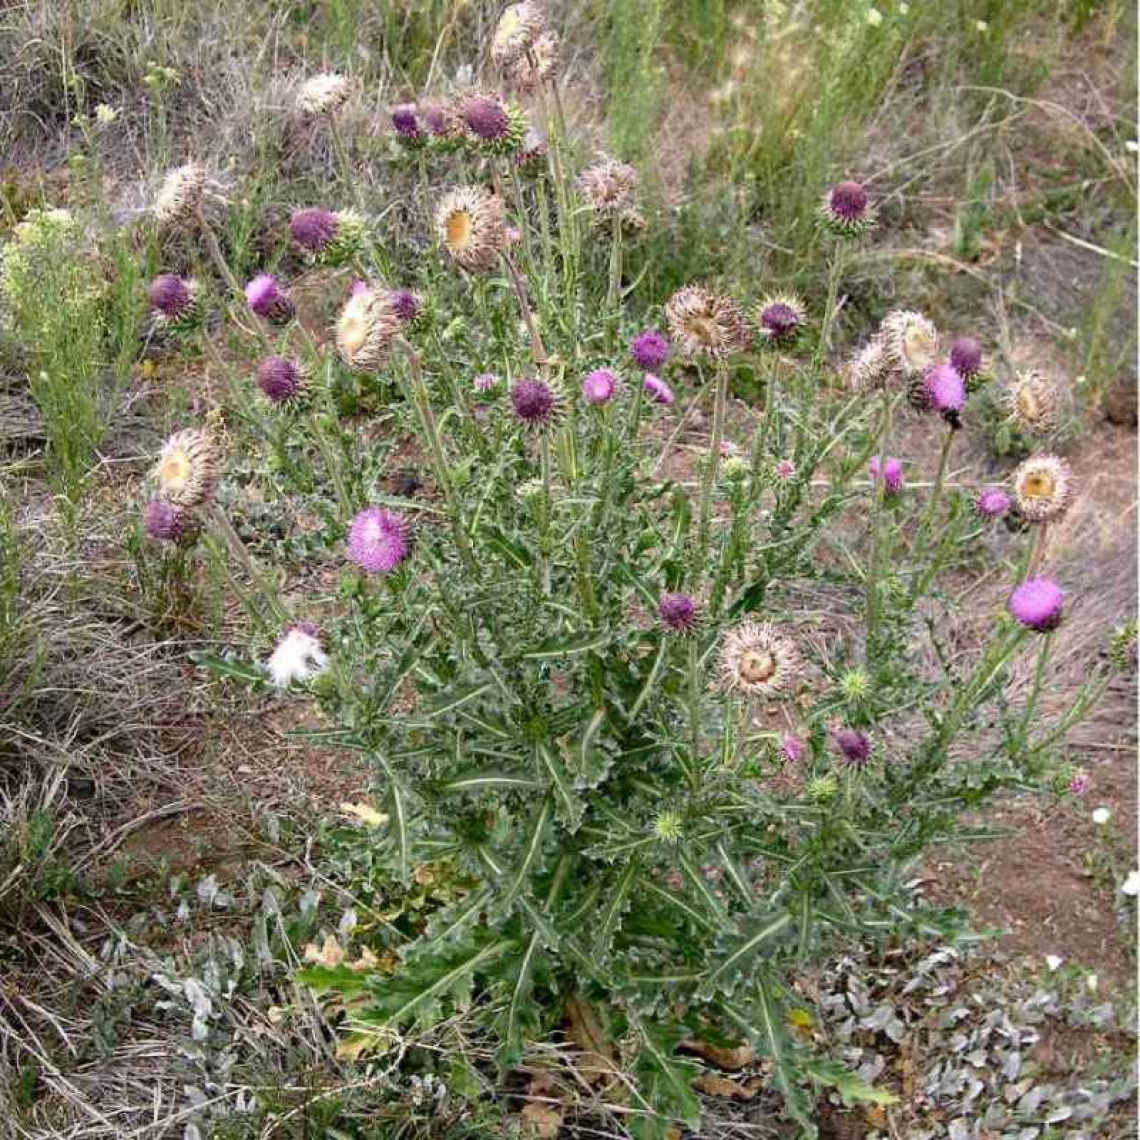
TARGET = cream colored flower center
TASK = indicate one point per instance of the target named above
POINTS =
(353, 332)
(757, 666)
(509, 25)
(1038, 485)
(175, 470)
(704, 329)
(458, 229)
(916, 345)
(1028, 404)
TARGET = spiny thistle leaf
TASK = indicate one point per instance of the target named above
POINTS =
(664, 1082)
(481, 780)
(850, 1087)
(616, 905)
(570, 805)
(519, 1018)
(735, 955)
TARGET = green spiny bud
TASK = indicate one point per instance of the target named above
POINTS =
(668, 826)
(822, 788)
(855, 684)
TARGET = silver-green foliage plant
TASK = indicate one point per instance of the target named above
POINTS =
(675, 734)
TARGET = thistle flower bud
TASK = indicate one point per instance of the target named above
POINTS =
(892, 469)
(1033, 402)
(1037, 604)
(668, 826)
(679, 613)
(378, 540)
(822, 788)
(599, 386)
(469, 222)
(992, 503)
(703, 322)
(280, 379)
(853, 746)
(267, 299)
(657, 390)
(165, 521)
(846, 210)
(1042, 487)
(486, 382)
(792, 749)
(1122, 649)
(780, 319)
(495, 126)
(855, 684)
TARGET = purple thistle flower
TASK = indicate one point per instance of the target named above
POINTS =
(405, 304)
(313, 228)
(267, 299)
(439, 122)
(780, 321)
(657, 390)
(599, 386)
(1037, 604)
(649, 349)
(853, 745)
(164, 521)
(406, 122)
(678, 613)
(1079, 782)
(966, 356)
(785, 469)
(378, 540)
(170, 295)
(358, 287)
(279, 379)
(992, 503)
(945, 389)
(486, 382)
(792, 749)
(892, 473)
(848, 201)
(485, 117)
(534, 402)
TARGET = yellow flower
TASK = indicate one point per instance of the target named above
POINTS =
(367, 814)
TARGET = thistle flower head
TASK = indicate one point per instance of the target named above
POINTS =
(469, 222)
(187, 470)
(267, 299)
(1037, 604)
(945, 389)
(323, 94)
(892, 471)
(757, 659)
(531, 157)
(1078, 782)
(610, 190)
(853, 745)
(792, 749)
(1033, 402)
(378, 540)
(780, 319)
(1123, 648)
(280, 379)
(657, 390)
(164, 521)
(668, 826)
(1042, 486)
(406, 123)
(822, 788)
(703, 322)
(910, 340)
(313, 228)
(366, 328)
(174, 298)
(966, 356)
(845, 209)
(855, 684)
(992, 503)
(649, 349)
(486, 382)
(535, 403)
(181, 193)
(405, 304)
(539, 65)
(599, 386)
(679, 613)
(784, 469)
(491, 122)
(870, 368)
(518, 27)
(299, 656)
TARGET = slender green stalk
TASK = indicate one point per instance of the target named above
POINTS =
(831, 306)
(256, 578)
(877, 526)
(1034, 552)
(936, 493)
(537, 349)
(614, 290)
(770, 424)
(712, 466)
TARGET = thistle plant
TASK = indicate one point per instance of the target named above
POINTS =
(591, 692)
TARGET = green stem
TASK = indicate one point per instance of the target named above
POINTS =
(936, 494)
(537, 349)
(712, 466)
(876, 528)
(831, 306)
(241, 552)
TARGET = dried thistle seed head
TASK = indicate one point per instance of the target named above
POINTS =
(703, 322)
(780, 318)
(183, 190)
(469, 222)
(911, 341)
(367, 327)
(1033, 402)
(610, 190)
(323, 94)
(539, 65)
(518, 27)
(1042, 487)
(187, 470)
(845, 209)
(757, 659)
(869, 370)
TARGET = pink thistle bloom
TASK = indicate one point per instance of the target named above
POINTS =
(992, 503)
(966, 356)
(785, 469)
(657, 390)
(678, 613)
(378, 540)
(1037, 604)
(534, 402)
(599, 386)
(792, 749)
(486, 382)
(170, 295)
(279, 378)
(406, 122)
(267, 299)
(649, 349)
(945, 389)
(405, 304)
(892, 473)
(853, 745)
(313, 228)
(164, 521)
(1079, 783)
(728, 449)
